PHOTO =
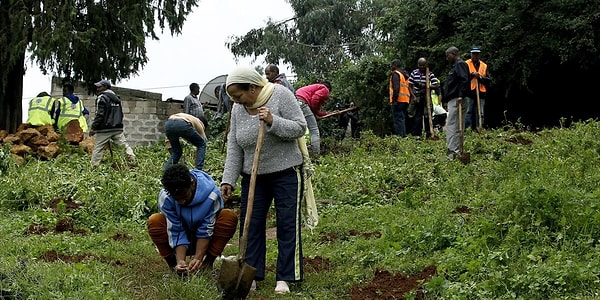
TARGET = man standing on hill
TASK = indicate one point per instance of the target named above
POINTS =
(108, 122)
(399, 97)
(417, 82)
(480, 78)
(457, 88)
(273, 75)
(191, 102)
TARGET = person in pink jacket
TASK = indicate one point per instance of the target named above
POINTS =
(311, 98)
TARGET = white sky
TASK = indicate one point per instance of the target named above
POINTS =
(197, 55)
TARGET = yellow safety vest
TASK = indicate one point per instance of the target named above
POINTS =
(70, 111)
(39, 111)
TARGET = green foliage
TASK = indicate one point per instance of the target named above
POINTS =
(520, 221)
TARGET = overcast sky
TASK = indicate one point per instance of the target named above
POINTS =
(197, 55)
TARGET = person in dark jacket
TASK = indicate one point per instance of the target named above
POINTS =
(456, 90)
(108, 122)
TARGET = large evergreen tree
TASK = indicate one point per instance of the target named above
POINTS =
(83, 40)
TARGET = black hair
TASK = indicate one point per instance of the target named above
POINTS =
(272, 67)
(396, 63)
(242, 86)
(327, 84)
(42, 94)
(69, 87)
(176, 178)
(204, 122)
(194, 85)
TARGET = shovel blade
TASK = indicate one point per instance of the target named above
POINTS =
(465, 157)
(235, 279)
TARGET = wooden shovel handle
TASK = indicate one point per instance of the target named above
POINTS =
(250, 204)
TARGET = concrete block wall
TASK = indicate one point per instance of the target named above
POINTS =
(144, 113)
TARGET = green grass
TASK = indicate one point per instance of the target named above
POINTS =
(532, 230)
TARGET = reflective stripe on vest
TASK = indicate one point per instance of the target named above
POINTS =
(39, 111)
(482, 70)
(404, 93)
(69, 111)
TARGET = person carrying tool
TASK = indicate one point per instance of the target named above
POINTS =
(456, 89)
(280, 175)
(417, 83)
(191, 221)
(311, 98)
(480, 77)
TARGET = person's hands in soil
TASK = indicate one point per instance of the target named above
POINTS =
(194, 265)
(181, 266)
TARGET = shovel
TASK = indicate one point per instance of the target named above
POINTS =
(428, 97)
(236, 275)
(464, 157)
(480, 125)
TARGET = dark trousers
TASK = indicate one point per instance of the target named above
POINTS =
(285, 187)
(420, 116)
(399, 116)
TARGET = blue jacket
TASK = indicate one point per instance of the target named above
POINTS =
(197, 218)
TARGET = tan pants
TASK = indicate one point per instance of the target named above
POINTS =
(225, 227)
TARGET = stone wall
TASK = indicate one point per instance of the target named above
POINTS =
(144, 112)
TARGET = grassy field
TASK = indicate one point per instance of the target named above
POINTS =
(521, 221)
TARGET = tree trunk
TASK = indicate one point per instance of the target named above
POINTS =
(11, 96)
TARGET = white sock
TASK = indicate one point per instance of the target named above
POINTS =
(253, 286)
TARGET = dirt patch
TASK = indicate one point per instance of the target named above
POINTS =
(52, 255)
(332, 236)
(62, 225)
(119, 236)
(66, 224)
(388, 286)
(69, 204)
(37, 229)
(462, 210)
(517, 139)
(317, 264)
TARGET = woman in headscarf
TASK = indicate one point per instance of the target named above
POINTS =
(280, 175)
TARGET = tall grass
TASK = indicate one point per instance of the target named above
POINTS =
(529, 227)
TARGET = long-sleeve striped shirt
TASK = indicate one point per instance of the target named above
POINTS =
(192, 106)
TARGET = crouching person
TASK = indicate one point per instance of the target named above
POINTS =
(192, 220)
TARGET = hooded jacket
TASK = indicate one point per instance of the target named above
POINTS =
(196, 220)
(109, 113)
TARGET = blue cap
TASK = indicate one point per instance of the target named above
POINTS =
(103, 82)
(475, 49)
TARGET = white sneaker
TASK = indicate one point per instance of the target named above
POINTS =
(282, 287)
(253, 286)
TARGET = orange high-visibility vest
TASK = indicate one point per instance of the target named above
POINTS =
(482, 70)
(404, 94)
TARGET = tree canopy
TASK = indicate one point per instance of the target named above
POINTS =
(78, 40)
(529, 45)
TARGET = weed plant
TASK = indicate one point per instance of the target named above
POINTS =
(521, 221)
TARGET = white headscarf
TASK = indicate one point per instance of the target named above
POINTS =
(249, 75)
